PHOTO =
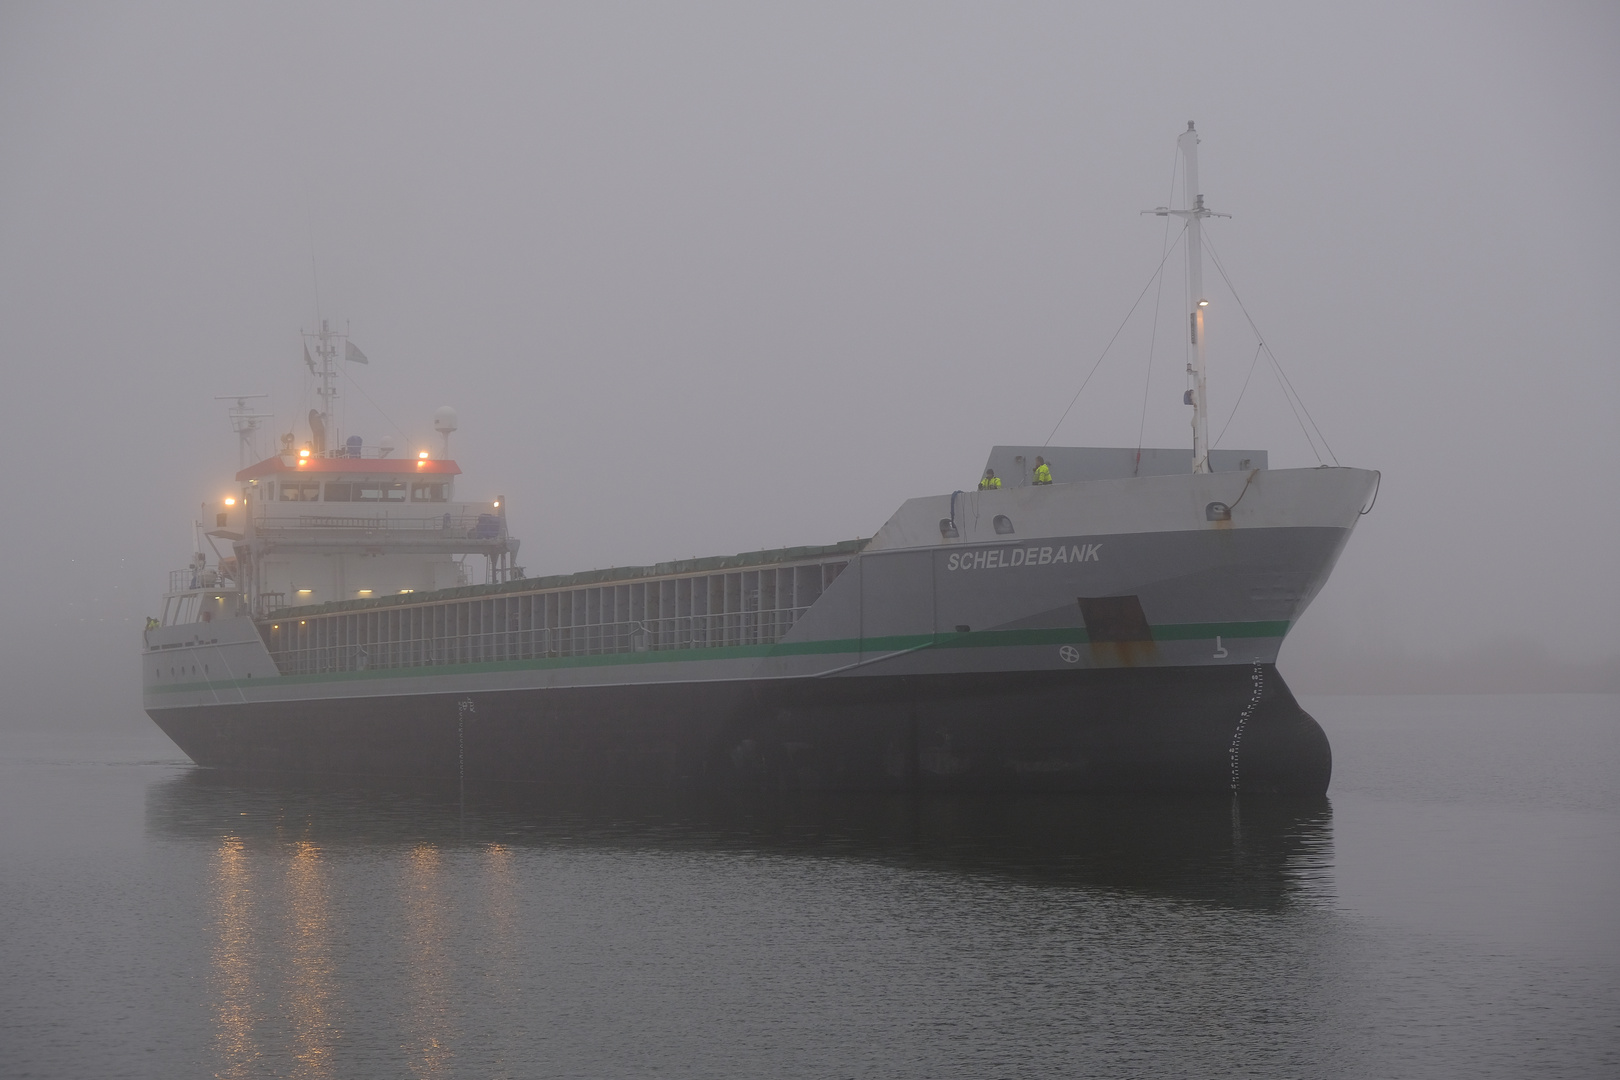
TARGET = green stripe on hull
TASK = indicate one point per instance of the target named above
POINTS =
(980, 639)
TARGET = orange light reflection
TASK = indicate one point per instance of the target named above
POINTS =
(235, 997)
(310, 978)
(427, 920)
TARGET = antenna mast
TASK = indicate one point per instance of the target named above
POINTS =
(1196, 301)
(245, 422)
(326, 349)
(324, 367)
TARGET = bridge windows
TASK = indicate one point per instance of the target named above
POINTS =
(379, 491)
(365, 491)
(353, 490)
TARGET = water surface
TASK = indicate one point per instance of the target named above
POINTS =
(1452, 909)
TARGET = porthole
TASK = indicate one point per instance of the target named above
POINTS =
(1003, 524)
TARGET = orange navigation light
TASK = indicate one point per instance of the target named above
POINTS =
(422, 455)
(497, 504)
(229, 501)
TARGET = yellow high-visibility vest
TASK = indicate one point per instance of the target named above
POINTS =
(1043, 474)
(989, 482)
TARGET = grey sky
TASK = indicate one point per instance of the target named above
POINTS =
(706, 278)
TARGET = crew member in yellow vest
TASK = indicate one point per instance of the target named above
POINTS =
(991, 480)
(1043, 471)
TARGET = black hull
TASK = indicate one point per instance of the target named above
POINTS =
(1117, 730)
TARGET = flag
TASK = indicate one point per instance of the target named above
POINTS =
(309, 360)
(352, 353)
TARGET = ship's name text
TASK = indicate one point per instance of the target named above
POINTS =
(992, 558)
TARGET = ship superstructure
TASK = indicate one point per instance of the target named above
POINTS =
(314, 524)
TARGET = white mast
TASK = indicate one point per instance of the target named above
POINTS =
(323, 421)
(245, 422)
(1196, 301)
(326, 349)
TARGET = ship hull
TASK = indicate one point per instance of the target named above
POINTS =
(1117, 634)
(1194, 729)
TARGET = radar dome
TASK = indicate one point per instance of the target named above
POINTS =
(444, 419)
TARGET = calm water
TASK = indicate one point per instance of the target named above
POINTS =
(1453, 909)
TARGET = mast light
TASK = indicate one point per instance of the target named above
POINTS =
(422, 455)
(1203, 303)
(229, 501)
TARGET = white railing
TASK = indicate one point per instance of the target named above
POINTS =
(463, 523)
(198, 578)
(344, 642)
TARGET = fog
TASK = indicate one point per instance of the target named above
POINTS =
(702, 279)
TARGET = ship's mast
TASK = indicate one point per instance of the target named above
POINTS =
(245, 422)
(326, 351)
(1197, 302)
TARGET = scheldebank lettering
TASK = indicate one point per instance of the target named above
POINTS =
(992, 558)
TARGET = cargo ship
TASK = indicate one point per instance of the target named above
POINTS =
(1116, 628)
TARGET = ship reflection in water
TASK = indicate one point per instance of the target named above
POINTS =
(414, 932)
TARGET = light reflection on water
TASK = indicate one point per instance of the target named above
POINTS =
(235, 994)
(491, 937)
(310, 971)
(426, 926)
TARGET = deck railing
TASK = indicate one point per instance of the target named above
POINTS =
(303, 647)
(743, 606)
(191, 578)
(483, 526)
